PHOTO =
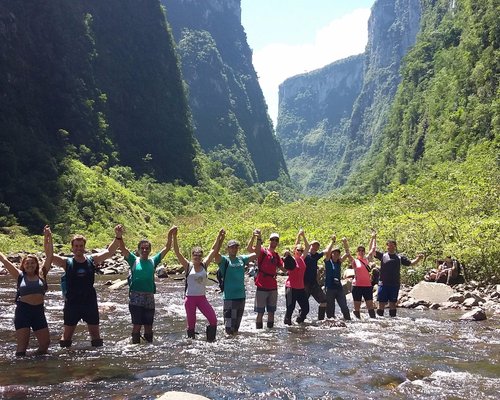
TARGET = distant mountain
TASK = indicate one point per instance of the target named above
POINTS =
(94, 80)
(227, 104)
(342, 107)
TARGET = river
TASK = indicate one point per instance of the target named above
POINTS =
(418, 355)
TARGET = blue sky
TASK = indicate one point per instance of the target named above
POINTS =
(290, 37)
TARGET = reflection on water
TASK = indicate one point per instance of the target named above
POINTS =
(419, 355)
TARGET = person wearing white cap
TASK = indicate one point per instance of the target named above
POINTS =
(232, 271)
(266, 296)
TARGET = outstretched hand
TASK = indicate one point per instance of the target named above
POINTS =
(119, 231)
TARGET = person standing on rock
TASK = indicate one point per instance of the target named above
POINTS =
(361, 286)
(142, 284)
(311, 284)
(196, 284)
(80, 297)
(333, 282)
(31, 288)
(390, 276)
(232, 268)
(266, 295)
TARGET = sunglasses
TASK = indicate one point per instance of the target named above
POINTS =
(299, 250)
(274, 240)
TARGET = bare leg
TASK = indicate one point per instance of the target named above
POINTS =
(43, 337)
(94, 332)
(23, 339)
(68, 332)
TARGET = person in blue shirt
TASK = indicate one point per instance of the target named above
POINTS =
(333, 283)
(232, 269)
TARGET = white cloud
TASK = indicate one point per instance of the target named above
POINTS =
(276, 62)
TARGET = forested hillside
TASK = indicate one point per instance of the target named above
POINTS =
(94, 81)
(229, 111)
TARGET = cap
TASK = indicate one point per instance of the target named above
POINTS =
(274, 235)
(314, 242)
(232, 243)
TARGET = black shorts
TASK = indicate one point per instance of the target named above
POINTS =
(28, 316)
(141, 315)
(359, 292)
(73, 313)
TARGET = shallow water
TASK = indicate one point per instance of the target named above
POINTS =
(418, 355)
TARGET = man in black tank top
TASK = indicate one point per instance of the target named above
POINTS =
(80, 297)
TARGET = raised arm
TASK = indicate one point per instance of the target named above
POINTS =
(111, 250)
(9, 266)
(346, 248)
(373, 245)
(182, 260)
(121, 242)
(168, 245)
(329, 248)
(215, 248)
(306, 243)
(48, 247)
(250, 246)
(417, 259)
(256, 250)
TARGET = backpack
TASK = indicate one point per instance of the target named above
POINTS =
(374, 274)
(222, 276)
(64, 278)
(19, 280)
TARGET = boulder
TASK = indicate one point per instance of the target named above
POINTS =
(435, 306)
(457, 297)
(161, 272)
(118, 284)
(470, 302)
(431, 292)
(477, 314)
(181, 396)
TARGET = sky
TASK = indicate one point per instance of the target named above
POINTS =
(290, 37)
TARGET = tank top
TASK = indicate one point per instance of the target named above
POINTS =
(27, 287)
(80, 281)
(196, 282)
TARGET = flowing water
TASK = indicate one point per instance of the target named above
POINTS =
(418, 355)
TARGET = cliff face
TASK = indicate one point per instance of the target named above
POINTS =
(97, 81)
(347, 119)
(227, 104)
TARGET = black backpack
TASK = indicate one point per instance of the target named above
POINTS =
(222, 276)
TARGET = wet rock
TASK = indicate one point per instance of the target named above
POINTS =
(410, 303)
(161, 272)
(470, 302)
(457, 297)
(332, 323)
(118, 284)
(431, 292)
(449, 304)
(181, 396)
(435, 306)
(477, 314)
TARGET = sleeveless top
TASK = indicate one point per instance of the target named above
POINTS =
(26, 287)
(80, 281)
(196, 281)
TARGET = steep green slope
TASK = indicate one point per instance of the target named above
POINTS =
(96, 81)
(448, 100)
(229, 112)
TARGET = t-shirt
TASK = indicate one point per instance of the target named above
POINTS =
(196, 282)
(311, 274)
(295, 278)
(362, 277)
(332, 274)
(268, 264)
(390, 268)
(234, 280)
(143, 273)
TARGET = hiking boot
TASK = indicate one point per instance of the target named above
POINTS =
(65, 343)
(20, 353)
(191, 334)
(392, 312)
(357, 314)
(259, 325)
(270, 324)
(148, 337)
(380, 312)
(287, 321)
(136, 338)
(321, 313)
(371, 313)
(299, 319)
(211, 333)
(96, 343)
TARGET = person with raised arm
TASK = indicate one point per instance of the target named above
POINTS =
(390, 276)
(294, 285)
(196, 284)
(142, 286)
(312, 287)
(232, 269)
(333, 282)
(266, 295)
(80, 297)
(30, 295)
(361, 286)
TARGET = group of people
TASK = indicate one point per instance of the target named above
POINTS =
(299, 263)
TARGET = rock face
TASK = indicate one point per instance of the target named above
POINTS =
(431, 292)
(228, 107)
(359, 116)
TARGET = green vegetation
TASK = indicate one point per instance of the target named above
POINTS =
(451, 209)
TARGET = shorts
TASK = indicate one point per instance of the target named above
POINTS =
(265, 300)
(387, 294)
(360, 292)
(73, 313)
(314, 289)
(28, 316)
(141, 315)
(233, 313)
